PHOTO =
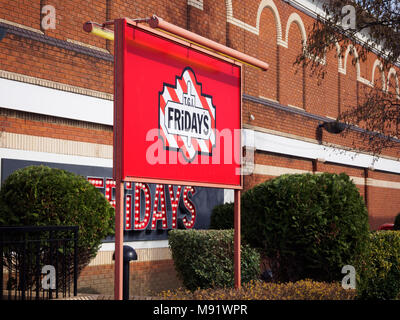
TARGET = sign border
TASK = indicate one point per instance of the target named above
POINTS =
(119, 75)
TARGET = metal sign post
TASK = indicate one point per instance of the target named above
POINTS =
(236, 257)
(119, 240)
(187, 91)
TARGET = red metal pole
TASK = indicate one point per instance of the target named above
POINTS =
(157, 22)
(236, 258)
(119, 240)
(117, 160)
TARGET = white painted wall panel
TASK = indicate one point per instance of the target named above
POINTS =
(293, 147)
(37, 99)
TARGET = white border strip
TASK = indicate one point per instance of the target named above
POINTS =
(152, 244)
(37, 99)
(274, 171)
(49, 145)
(53, 157)
(196, 3)
(293, 147)
(383, 183)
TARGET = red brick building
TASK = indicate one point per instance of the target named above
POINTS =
(56, 102)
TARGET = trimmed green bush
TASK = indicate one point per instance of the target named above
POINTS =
(378, 270)
(397, 222)
(41, 196)
(222, 217)
(308, 225)
(204, 258)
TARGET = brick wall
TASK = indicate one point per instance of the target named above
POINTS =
(147, 278)
(284, 82)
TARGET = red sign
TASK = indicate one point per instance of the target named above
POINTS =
(177, 111)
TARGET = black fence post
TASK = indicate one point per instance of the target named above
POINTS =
(76, 231)
(22, 280)
(38, 271)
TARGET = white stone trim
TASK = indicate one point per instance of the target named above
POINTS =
(54, 85)
(295, 18)
(17, 141)
(110, 246)
(40, 99)
(256, 30)
(145, 250)
(392, 73)
(269, 99)
(343, 70)
(53, 157)
(383, 183)
(308, 150)
(352, 48)
(87, 45)
(296, 107)
(196, 3)
(275, 171)
(340, 60)
(269, 4)
(15, 24)
(241, 24)
(143, 254)
(378, 64)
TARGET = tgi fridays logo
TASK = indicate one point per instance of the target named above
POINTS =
(187, 117)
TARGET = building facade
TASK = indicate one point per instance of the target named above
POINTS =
(56, 107)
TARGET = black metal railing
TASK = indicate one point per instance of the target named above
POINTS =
(38, 262)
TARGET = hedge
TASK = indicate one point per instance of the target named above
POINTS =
(258, 290)
(378, 269)
(308, 225)
(204, 258)
(222, 217)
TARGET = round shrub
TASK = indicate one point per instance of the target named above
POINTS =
(397, 222)
(378, 269)
(41, 196)
(308, 225)
(204, 258)
(222, 217)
